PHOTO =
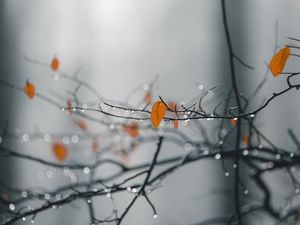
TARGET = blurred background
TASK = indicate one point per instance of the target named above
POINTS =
(122, 44)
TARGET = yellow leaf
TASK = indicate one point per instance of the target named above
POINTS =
(278, 61)
(157, 113)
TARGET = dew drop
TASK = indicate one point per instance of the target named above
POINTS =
(245, 152)
(47, 137)
(12, 207)
(75, 138)
(218, 156)
(66, 140)
(86, 170)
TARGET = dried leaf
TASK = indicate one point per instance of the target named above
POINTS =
(29, 89)
(157, 113)
(278, 61)
(172, 107)
(55, 64)
(60, 151)
(131, 129)
(81, 124)
(232, 122)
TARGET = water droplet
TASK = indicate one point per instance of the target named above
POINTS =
(128, 188)
(24, 194)
(66, 140)
(134, 190)
(292, 154)
(226, 174)
(112, 126)
(246, 192)
(188, 147)
(245, 152)
(200, 87)
(49, 173)
(160, 131)
(12, 207)
(218, 156)
(146, 87)
(75, 138)
(31, 221)
(278, 156)
(234, 166)
(86, 170)
(25, 137)
(255, 152)
(47, 137)
(56, 76)
(58, 197)
(47, 196)
(108, 195)
(155, 216)
(89, 201)
(252, 115)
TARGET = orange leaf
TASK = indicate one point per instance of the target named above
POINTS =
(175, 124)
(29, 89)
(131, 129)
(148, 97)
(157, 113)
(278, 61)
(232, 122)
(60, 151)
(81, 124)
(55, 64)
(246, 139)
(172, 106)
